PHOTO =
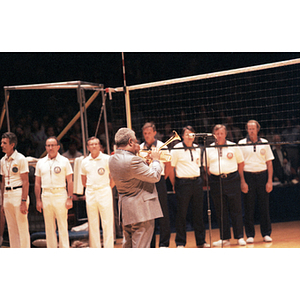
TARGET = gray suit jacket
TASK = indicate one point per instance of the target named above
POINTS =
(135, 182)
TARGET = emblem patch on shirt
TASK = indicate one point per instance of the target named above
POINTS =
(101, 171)
(57, 170)
(262, 151)
(229, 155)
(15, 169)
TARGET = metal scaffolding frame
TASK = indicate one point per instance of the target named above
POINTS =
(80, 87)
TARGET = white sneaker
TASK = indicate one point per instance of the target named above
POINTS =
(250, 240)
(267, 239)
(180, 246)
(219, 243)
(241, 242)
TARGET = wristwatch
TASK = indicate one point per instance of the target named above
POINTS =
(24, 200)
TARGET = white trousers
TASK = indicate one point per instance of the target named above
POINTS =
(100, 202)
(54, 209)
(17, 223)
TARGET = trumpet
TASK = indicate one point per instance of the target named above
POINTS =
(164, 157)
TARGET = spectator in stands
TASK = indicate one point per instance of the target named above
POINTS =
(258, 173)
(24, 145)
(225, 169)
(38, 138)
(72, 153)
(290, 134)
(282, 171)
(234, 134)
(75, 134)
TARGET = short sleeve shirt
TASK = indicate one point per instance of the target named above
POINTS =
(256, 155)
(53, 172)
(12, 167)
(224, 161)
(187, 162)
(96, 170)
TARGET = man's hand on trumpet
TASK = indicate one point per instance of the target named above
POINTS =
(153, 154)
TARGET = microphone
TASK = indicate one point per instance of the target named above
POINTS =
(201, 134)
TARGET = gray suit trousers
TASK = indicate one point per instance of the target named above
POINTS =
(138, 235)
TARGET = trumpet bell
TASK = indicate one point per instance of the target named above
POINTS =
(164, 157)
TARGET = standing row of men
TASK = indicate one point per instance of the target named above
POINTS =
(233, 171)
(54, 193)
(142, 188)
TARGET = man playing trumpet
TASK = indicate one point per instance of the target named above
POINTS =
(135, 182)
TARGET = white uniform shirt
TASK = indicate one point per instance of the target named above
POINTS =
(256, 155)
(165, 149)
(225, 163)
(187, 163)
(96, 171)
(12, 167)
(53, 172)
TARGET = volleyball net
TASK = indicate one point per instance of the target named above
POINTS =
(268, 93)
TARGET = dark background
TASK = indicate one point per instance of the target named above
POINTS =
(106, 67)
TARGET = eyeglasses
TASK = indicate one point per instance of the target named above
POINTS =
(93, 144)
(48, 146)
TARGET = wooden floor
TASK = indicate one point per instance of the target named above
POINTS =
(284, 235)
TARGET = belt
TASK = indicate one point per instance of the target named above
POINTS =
(53, 190)
(94, 188)
(188, 178)
(223, 175)
(9, 188)
(256, 173)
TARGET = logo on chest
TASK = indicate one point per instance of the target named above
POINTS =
(229, 155)
(262, 151)
(57, 170)
(101, 171)
(15, 169)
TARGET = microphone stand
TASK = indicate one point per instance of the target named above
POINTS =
(207, 190)
(221, 197)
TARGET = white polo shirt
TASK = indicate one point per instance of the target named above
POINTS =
(12, 167)
(53, 172)
(187, 162)
(225, 163)
(256, 155)
(165, 149)
(96, 171)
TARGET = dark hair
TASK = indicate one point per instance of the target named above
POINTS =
(219, 126)
(12, 138)
(149, 124)
(92, 138)
(189, 127)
